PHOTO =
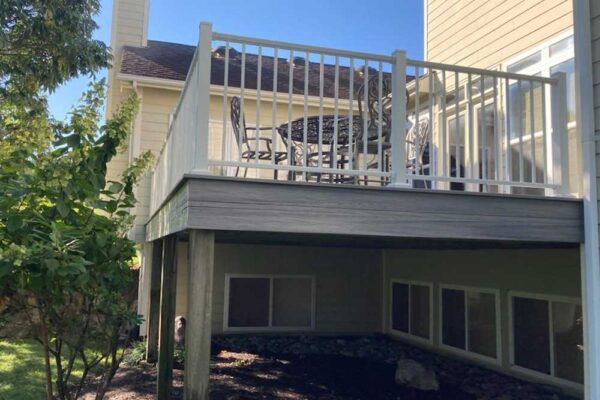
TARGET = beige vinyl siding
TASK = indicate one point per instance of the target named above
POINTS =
(485, 34)
(347, 282)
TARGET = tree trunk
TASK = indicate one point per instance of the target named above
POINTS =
(49, 394)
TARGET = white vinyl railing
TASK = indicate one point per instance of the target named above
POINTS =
(272, 110)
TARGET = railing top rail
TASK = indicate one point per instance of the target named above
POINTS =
(301, 47)
(480, 71)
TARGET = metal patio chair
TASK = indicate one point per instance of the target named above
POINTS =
(262, 145)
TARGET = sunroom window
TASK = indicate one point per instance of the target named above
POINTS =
(269, 302)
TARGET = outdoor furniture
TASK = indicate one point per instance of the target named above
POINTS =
(378, 127)
(317, 127)
(262, 145)
(418, 151)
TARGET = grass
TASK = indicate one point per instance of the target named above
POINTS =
(22, 370)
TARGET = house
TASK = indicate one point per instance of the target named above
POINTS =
(470, 229)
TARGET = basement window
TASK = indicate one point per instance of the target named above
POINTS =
(547, 335)
(268, 302)
(470, 321)
(411, 309)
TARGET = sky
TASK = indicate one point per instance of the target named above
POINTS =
(374, 26)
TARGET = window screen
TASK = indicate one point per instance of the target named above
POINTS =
(453, 318)
(530, 331)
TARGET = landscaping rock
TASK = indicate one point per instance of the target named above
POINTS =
(416, 375)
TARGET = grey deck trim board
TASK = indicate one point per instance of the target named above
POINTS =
(226, 204)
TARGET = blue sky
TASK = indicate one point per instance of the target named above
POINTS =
(376, 26)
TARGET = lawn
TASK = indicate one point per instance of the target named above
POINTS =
(22, 370)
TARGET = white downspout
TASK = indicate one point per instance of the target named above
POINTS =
(590, 265)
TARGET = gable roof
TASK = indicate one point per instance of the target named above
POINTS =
(172, 60)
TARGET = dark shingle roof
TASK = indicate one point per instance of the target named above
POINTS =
(172, 61)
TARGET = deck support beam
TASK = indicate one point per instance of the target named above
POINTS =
(155, 268)
(198, 323)
(167, 318)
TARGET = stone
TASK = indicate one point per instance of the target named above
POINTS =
(415, 375)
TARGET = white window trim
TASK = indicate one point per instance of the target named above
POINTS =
(466, 352)
(270, 328)
(408, 335)
(511, 340)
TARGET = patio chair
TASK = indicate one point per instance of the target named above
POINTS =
(262, 145)
(378, 114)
(418, 151)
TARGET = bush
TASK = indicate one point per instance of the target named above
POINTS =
(135, 354)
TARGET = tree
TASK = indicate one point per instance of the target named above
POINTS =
(64, 255)
(43, 43)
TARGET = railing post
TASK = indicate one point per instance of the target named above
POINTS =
(398, 138)
(204, 56)
(560, 136)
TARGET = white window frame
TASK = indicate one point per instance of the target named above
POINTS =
(551, 378)
(408, 335)
(543, 68)
(466, 352)
(270, 327)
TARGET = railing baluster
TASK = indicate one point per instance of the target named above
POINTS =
(497, 137)
(305, 130)
(482, 133)
(380, 165)
(417, 144)
(445, 141)
(520, 128)
(532, 132)
(350, 117)
(507, 135)
(365, 116)
(242, 98)
(336, 89)
(258, 106)
(432, 129)
(457, 156)
(321, 83)
(544, 134)
(225, 104)
(471, 140)
(274, 141)
(290, 156)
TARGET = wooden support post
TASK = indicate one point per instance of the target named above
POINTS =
(154, 299)
(198, 323)
(164, 378)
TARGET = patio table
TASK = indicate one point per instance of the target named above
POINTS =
(313, 124)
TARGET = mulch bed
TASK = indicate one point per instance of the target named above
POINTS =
(308, 367)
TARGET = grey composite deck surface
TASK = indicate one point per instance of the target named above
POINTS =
(244, 205)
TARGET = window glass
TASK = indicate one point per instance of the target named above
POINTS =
(525, 62)
(568, 67)
(453, 318)
(560, 46)
(292, 302)
(400, 307)
(419, 311)
(568, 339)
(531, 334)
(482, 323)
(249, 302)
